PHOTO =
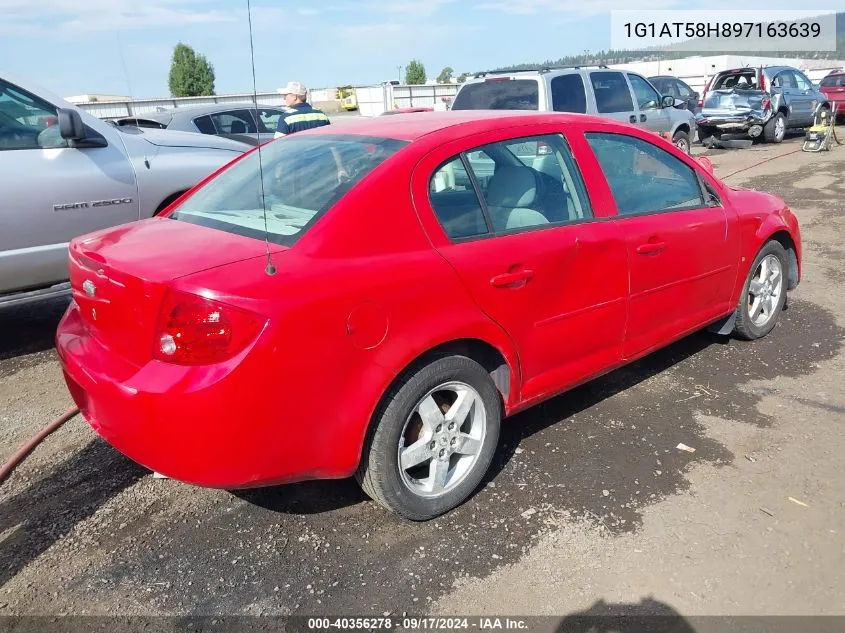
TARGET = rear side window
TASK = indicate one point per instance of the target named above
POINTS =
(833, 81)
(644, 178)
(234, 122)
(455, 202)
(612, 93)
(205, 125)
(499, 94)
(568, 94)
(303, 178)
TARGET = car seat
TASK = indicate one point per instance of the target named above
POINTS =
(238, 127)
(511, 194)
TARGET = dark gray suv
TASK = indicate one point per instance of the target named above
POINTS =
(620, 95)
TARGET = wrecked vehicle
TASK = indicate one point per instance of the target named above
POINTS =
(758, 102)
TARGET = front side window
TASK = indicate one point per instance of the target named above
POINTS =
(647, 97)
(303, 178)
(27, 122)
(802, 82)
(644, 178)
(611, 91)
(269, 119)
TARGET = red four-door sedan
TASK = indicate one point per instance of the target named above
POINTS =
(373, 302)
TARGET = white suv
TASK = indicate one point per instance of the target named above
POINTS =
(620, 95)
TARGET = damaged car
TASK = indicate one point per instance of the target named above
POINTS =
(758, 103)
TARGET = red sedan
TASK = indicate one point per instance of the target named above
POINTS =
(374, 301)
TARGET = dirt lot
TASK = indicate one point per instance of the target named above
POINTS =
(589, 506)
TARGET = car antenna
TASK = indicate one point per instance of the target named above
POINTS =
(132, 109)
(270, 269)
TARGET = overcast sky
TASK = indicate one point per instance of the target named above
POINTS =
(80, 46)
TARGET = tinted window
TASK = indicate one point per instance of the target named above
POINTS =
(27, 122)
(612, 93)
(833, 81)
(740, 79)
(499, 94)
(546, 191)
(683, 90)
(568, 94)
(664, 85)
(205, 125)
(455, 202)
(234, 122)
(303, 178)
(643, 177)
(647, 97)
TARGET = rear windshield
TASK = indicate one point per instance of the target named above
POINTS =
(303, 177)
(499, 94)
(741, 80)
(833, 81)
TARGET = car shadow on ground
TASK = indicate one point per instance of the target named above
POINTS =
(48, 508)
(647, 615)
(28, 332)
(315, 497)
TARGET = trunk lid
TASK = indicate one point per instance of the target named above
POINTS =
(119, 276)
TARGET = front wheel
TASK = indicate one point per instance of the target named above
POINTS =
(681, 141)
(433, 439)
(764, 293)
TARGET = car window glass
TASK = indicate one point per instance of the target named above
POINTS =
(611, 92)
(786, 80)
(535, 183)
(740, 79)
(499, 94)
(27, 122)
(647, 97)
(455, 201)
(801, 82)
(205, 125)
(234, 122)
(644, 178)
(269, 119)
(682, 91)
(568, 94)
(664, 86)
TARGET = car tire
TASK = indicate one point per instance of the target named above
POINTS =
(775, 130)
(468, 442)
(681, 141)
(763, 293)
(705, 133)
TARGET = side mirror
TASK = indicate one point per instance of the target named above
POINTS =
(705, 162)
(70, 125)
(667, 101)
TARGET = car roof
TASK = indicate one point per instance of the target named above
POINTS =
(410, 127)
(193, 111)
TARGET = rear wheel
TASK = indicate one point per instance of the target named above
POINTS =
(433, 439)
(775, 129)
(764, 293)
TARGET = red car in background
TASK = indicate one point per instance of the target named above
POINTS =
(833, 87)
(374, 301)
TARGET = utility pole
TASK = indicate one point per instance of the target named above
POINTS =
(399, 68)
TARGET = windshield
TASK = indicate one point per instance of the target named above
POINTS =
(303, 178)
(499, 94)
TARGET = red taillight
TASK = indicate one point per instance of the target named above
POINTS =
(762, 82)
(704, 92)
(766, 103)
(193, 330)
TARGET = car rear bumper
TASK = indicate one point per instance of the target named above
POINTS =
(212, 426)
(739, 122)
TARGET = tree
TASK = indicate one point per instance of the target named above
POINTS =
(415, 73)
(462, 77)
(191, 75)
(445, 75)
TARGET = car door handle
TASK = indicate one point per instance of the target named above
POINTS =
(643, 118)
(652, 248)
(632, 118)
(509, 279)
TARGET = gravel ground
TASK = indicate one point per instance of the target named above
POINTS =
(589, 507)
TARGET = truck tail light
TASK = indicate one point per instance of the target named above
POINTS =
(193, 330)
(704, 93)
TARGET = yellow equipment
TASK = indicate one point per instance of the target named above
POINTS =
(823, 132)
(347, 97)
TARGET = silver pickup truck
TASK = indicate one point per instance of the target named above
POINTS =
(64, 173)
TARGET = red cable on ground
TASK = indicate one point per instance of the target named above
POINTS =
(762, 162)
(27, 448)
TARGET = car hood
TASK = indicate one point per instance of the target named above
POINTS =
(174, 138)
